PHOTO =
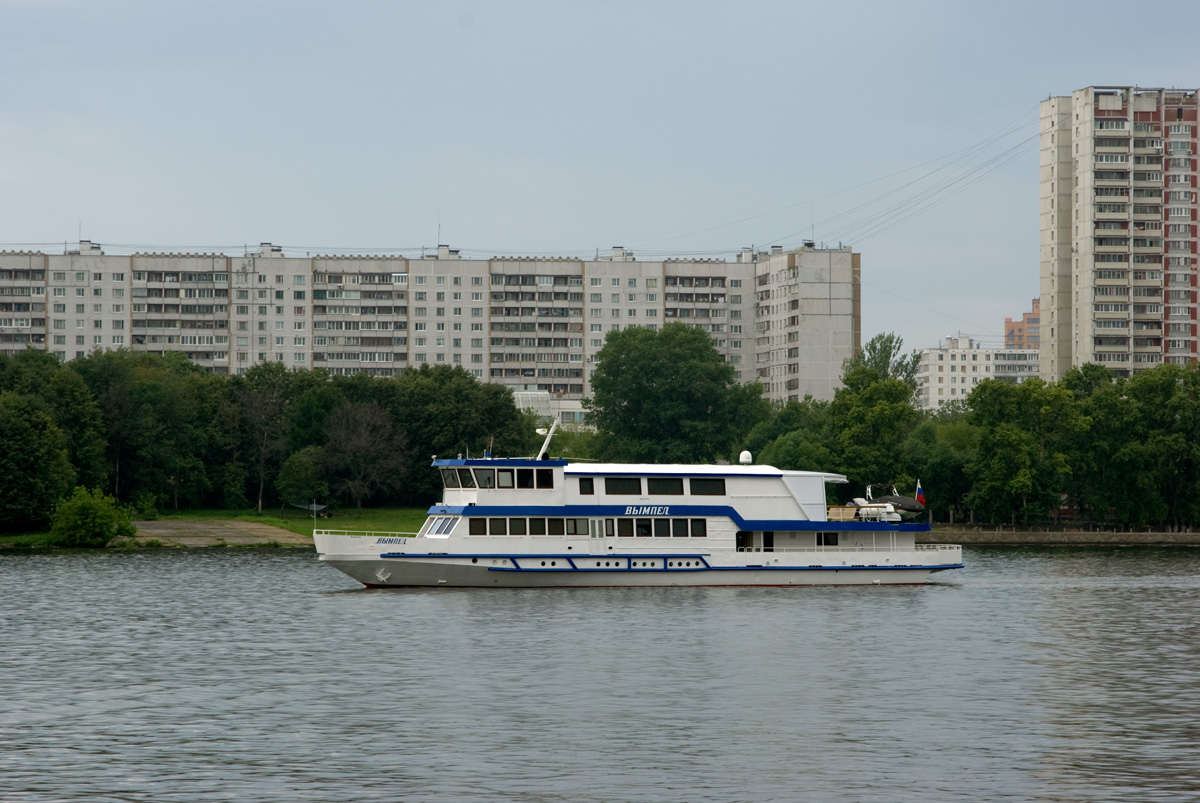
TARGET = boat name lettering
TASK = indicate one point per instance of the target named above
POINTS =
(664, 510)
(391, 540)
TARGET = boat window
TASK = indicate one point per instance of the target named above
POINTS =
(537, 526)
(445, 526)
(699, 528)
(486, 477)
(477, 526)
(609, 530)
(545, 478)
(577, 526)
(623, 485)
(426, 527)
(679, 528)
(449, 478)
(516, 526)
(643, 528)
(586, 486)
(708, 486)
(625, 527)
(668, 486)
(555, 527)
(524, 478)
(504, 478)
(662, 528)
(497, 527)
(827, 539)
(464, 476)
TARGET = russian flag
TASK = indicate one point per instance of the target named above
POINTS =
(920, 493)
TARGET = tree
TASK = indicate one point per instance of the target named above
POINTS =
(882, 354)
(89, 519)
(263, 397)
(810, 415)
(1022, 466)
(34, 469)
(799, 449)
(668, 396)
(110, 375)
(937, 451)
(56, 387)
(445, 410)
(301, 478)
(872, 417)
(362, 451)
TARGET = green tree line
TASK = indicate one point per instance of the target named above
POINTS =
(159, 431)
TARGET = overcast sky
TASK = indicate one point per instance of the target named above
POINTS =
(905, 129)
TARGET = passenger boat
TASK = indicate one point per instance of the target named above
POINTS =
(540, 523)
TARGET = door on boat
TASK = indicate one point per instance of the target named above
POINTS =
(599, 528)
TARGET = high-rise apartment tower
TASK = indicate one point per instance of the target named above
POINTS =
(1118, 229)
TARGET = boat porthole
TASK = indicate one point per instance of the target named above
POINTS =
(493, 563)
(543, 563)
(553, 563)
(474, 560)
(605, 563)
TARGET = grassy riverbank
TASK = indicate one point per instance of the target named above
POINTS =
(390, 519)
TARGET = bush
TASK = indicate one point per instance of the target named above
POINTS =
(89, 519)
(145, 506)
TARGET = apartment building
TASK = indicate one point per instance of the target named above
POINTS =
(532, 324)
(1025, 332)
(952, 371)
(807, 319)
(1118, 229)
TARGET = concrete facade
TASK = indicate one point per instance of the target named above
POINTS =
(1118, 229)
(949, 373)
(807, 319)
(785, 318)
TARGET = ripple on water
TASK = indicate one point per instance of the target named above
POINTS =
(1063, 674)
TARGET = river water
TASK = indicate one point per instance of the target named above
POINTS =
(1066, 674)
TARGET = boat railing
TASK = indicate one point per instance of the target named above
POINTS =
(367, 534)
(850, 548)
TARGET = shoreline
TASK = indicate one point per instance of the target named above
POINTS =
(1008, 537)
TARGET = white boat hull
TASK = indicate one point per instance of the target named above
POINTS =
(379, 568)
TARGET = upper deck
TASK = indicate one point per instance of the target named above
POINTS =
(754, 497)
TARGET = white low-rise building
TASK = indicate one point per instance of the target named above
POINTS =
(951, 372)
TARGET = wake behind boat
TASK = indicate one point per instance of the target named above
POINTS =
(530, 523)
